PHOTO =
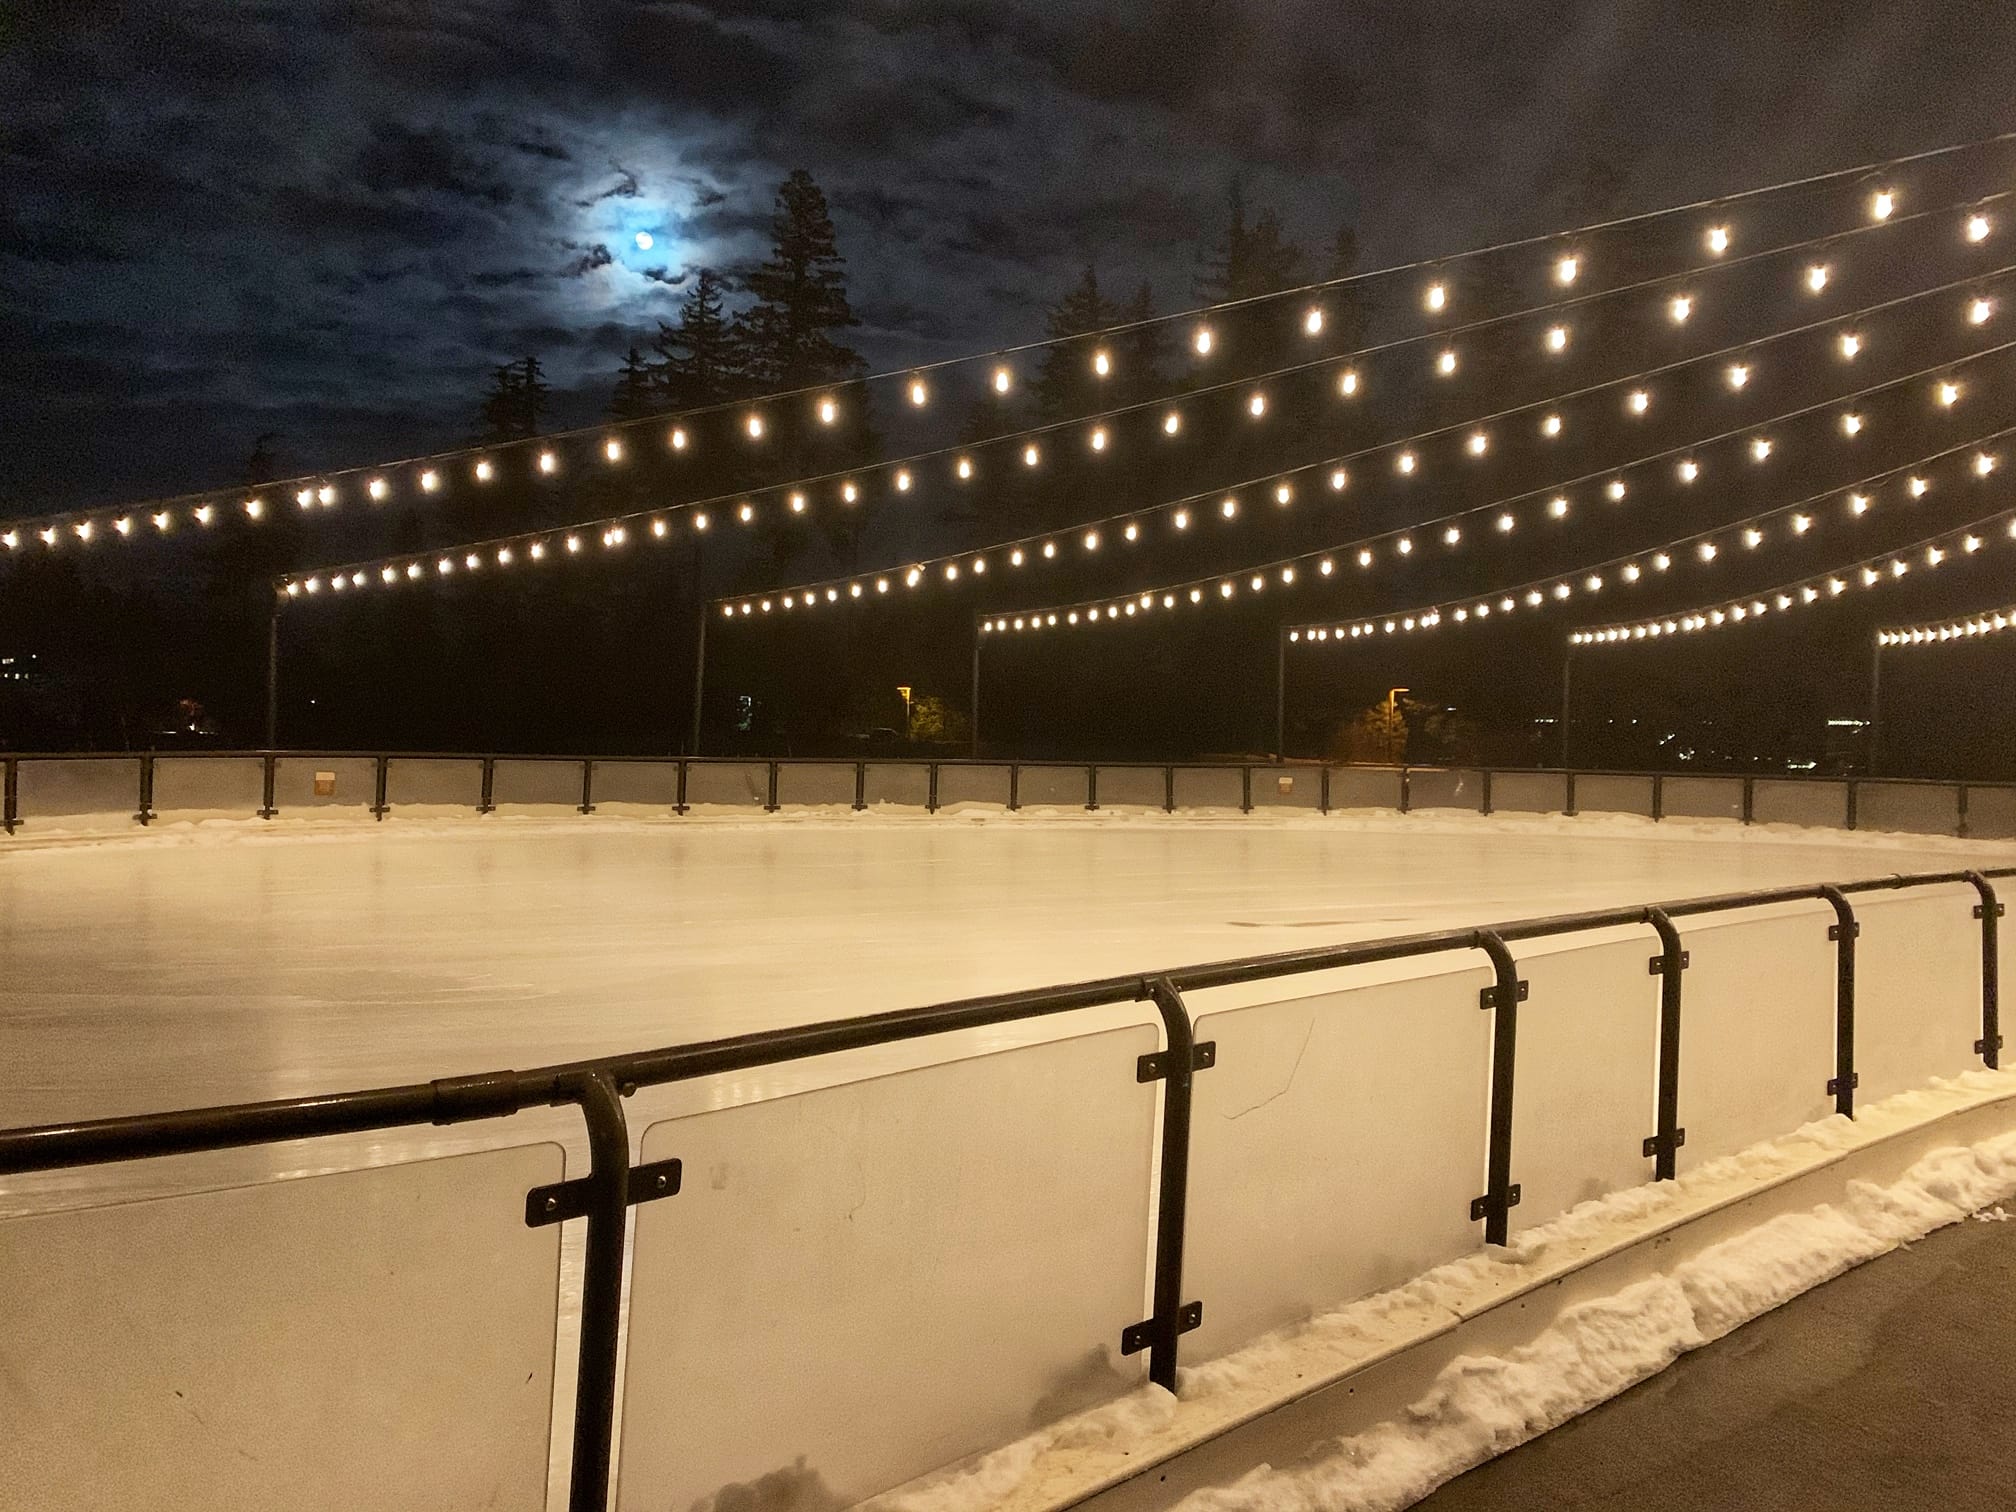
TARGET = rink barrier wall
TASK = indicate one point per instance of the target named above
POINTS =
(109, 791)
(1964, 1029)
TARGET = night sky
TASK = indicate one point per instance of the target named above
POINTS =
(331, 220)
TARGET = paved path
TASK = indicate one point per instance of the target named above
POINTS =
(1891, 1388)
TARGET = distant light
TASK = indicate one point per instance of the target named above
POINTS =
(1003, 380)
(1436, 297)
(1347, 382)
(1850, 345)
(1171, 423)
(1479, 443)
(1256, 406)
(919, 394)
(1851, 424)
(1551, 426)
(1202, 341)
(1405, 462)
(829, 411)
(1566, 269)
(1312, 321)
(1718, 239)
(1816, 277)
(754, 426)
(1978, 227)
(1739, 374)
(1639, 402)
(548, 462)
(429, 481)
(377, 488)
(679, 438)
(1881, 203)
(1557, 338)
(1979, 310)
(1030, 455)
(1446, 363)
(1689, 470)
(613, 449)
(1680, 307)
(1949, 394)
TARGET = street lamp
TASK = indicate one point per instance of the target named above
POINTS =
(1391, 715)
(903, 692)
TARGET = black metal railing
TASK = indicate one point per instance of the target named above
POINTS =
(598, 1089)
(1938, 807)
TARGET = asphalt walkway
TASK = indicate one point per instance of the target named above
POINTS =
(1889, 1389)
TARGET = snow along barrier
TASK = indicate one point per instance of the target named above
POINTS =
(848, 1275)
(99, 793)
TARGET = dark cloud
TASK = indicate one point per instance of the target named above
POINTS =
(334, 218)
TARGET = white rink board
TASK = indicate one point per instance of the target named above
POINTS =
(379, 1338)
(1756, 1026)
(861, 1284)
(1336, 1144)
(1585, 1091)
(1917, 987)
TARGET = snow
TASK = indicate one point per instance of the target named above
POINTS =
(1481, 1405)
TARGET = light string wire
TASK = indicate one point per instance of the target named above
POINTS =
(1702, 547)
(87, 522)
(1938, 632)
(1883, 568)
(1093, 530)
(326, 478)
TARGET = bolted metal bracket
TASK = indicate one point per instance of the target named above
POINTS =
(1481, 1207)
(569, 1199)
(1834, 1084)
(1154, 1066)
(1981, 1045)
(2000, 909)
(1854, 931)
(1658, 963)
(1139, 1336)
(1656, 1146)
(1487, 998)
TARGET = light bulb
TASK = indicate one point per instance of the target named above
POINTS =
(1338, 479)
(1557, 506)
(1181, 519)
(429, 480)
(1405, 462)
(1102, 362)
(1030, 455)
(1984, 464)
(1229, 507)
(1171, 423)
(1738, 375)
(1312, 321)
(1479, 443)
(548, 462)
(1615, 489)
(1801, 524)
(1091, 540)
(754, 426)
(1003, 380)
(1706, 551)
(797, 503)
(1978, 227)
(1816, 277)
(254, 508)
(1451, 536)
(1850, 345)
(1858, 504)
(1566, 269)
(849, 492)
(1505, 524)
(1760, 448)
(1639, 402)
(1851, 424)
(1680, 307)
(1689, 470)
(1551, 426)
(1257, 405)
(964, 468)
(918, 392)
(1201, 342)
(1718, 239)
(1978, 311)
(746, 513)
(1949, 394)
(1881, 203)
(828, 411)
(1347, 382)
(1098, 438)
(1446, 363)
(1557, 338)
(1405, 545)
(678, 438)
(1437, 296)
(1283, 493)
(902, 480)
(377, 488)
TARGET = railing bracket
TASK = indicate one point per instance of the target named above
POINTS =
(1658, 963)
(1484, 1207)
(1139, 1336)
(569, 1199)
(1487, 998)
(1154, 1066)
(1834, 1084)
(1854, 931)
(2000, 910)
(1655, 1145)
(1981, 1045)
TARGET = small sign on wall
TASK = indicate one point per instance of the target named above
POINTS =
(325, 784)
(1284, 785)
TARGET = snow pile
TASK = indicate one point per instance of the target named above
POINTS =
(1483, 1406)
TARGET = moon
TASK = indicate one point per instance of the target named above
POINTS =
(643, 241)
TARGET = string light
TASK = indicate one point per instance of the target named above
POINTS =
(1978, 311)
(1550, 425)
(1347, 382)
(548, 462)
(1445, 364)
(1949, 394)
(1201, 341)
(1639, 401)
(1102, 362)
(1566, 268)
(1679, 307)
(1312, 321)
(1256, 405)
(1816, 277)
(829, 411)
(1851, 424)
(1738, 374)
(1171, 423)
(1850, 345)
(1881, 203)
(1436, 298)
(919, 394)
(1718, 240)
(1557, 338)
(1978, 227)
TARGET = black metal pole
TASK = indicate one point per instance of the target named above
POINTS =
(973, 748)
(273, 677)
(699, 679)
(1501, 1193)
(1175, 1183)
(1844, 929)
(1567, 698)
(1875, 705)
(1989, 910)
(1664, 1145)
(601, 1289)
(1280, 693)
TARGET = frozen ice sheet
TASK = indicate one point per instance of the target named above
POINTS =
(230, 963)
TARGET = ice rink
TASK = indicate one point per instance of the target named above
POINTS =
(191, 966)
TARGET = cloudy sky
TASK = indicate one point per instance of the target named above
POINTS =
(223, 217)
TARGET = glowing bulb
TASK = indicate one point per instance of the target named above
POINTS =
(1171, 423)
(1680, 307)
(254, 508)
(1098, 438)
(413, 571)
(1858, 504)
(1978, 227)
(1689, 471)
(1257, 406)
(1949, 394)
(162, 521)
(1102, 362)
(1015, 557)
(1446, 363)
(1557, 506)
(1405, 545)
(1283, 493)
(746, 513)
(918, 392)
(1132, 532)
(1451, 536)
(964, 468)
(1639, 402)
(1181, 519)
(1049, 550)
(1405, 462)
(1364, 559)
(304, 497)
(1760, 449)
(1312, 321)
(1706, 551)
(388, 575)
(1566, 269)
(797, 503)
(1437, 296)
(700, 521)
(1738, 375)
(1202, 341)
(1551, 426)
(573, 543)
(325, 495)
(1661, 562)
(1229, 508)
(1557, 338)
(1816, 277)
(1505, 524)
(951, 572)
(1984, 464)
(849, 492)
(1338, 478)
(1801, 524)
(1615, 489)
(902, 480)
(829, 411)
(548, 462)
(1030, 456)
(1091, 540)
(1347, 382)
(1003, 380)
(1478, 443)
(1881, 203)
(1851, 424)
(1979, 310)
(1718, 239)
(1850, 345)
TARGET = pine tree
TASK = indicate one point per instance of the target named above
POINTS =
(1347, 311)
(636, 393)
(500, 405)
(1065, 384)
(789, 334)
(532, 392)
(699, 359)
(1140, 352)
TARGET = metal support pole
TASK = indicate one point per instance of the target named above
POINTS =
(273, 678)
(1989, 911)
(10, 793)
(1280, 694)
(699, 678)
(1501, 1193)
(1168, 1321)
(1664, 1144)
(1567, 699)
(973, 748)
(146, 811)
(1875, 707)
(601, 1288)
(1844, 929)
